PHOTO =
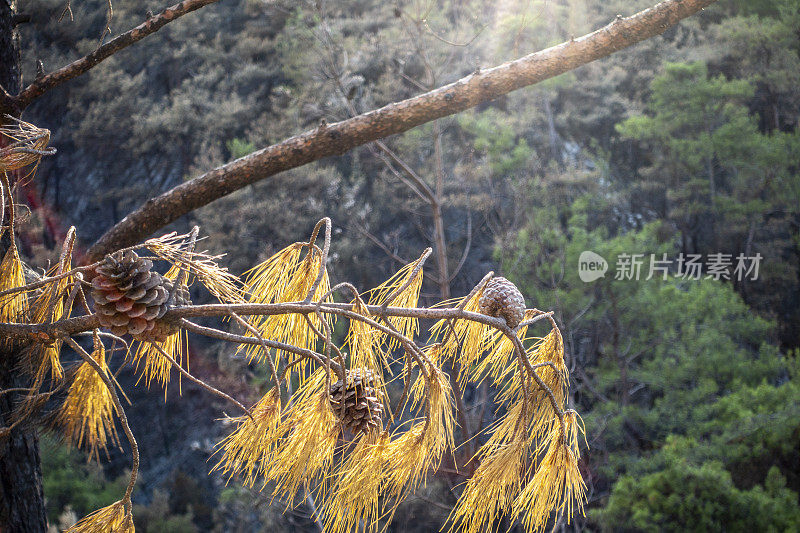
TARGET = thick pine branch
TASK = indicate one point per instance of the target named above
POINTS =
(335, 139)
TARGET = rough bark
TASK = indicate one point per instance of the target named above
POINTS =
(335, 139)
(21, 497)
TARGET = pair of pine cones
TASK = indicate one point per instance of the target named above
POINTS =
(131, 298)
(356, 401)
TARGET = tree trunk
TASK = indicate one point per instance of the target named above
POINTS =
(21, 496)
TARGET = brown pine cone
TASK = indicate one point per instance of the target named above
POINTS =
(501, 298)
(128, 296)
(362, 405)
(164, 327)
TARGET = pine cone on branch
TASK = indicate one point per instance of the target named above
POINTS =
(501, 298)
(163, 328)
(362, 406)
(129, 297)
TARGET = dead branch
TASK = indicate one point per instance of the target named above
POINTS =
(84, 64)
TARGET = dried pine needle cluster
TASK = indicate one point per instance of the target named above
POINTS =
(116, 518)
(287, 276)
(338, 437)
(25, 144)
(88, 411)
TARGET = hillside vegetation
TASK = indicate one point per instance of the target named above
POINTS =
(686, 144)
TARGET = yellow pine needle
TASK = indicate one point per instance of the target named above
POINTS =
(310, 387)
(52, 295)
(407, 460)
(543, 415)
(358, 487)
(557, 484)
(492, 489)
(158, 367)
(27, 141)
(509, 427)
(475, 338)
(434, 353)
(88, 410)
(248, 449)
(285, 277)
(49, 307)
(419, 449)
(499, 361)
(219, 282)
(306, 452)
(551, 349)
(365, 343)
(49, 358)
(511, 387)
(112, 519)
(574, 428)
(417, 392)
(408, 298)
(13, 307)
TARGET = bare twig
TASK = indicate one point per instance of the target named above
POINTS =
(82, 65)
(7, 187)
(241, 339)
(200, 382)
(323, 259)
(537, 318)
(417, 183)
(467, 248)
(64, 327)
(249, 327)
(452, 43)
(381, 245)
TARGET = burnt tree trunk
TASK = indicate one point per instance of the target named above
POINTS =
(21, 496)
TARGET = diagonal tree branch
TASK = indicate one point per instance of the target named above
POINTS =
(82, 65)
(335, 139)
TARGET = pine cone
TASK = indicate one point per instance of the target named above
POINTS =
(128, 296)
(501, 298)
(164, 327)
(362, 405)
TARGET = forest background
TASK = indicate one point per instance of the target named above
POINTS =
(686, 144)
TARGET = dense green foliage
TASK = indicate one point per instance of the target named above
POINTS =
(70, 481)
(685, 144)
(685, 497)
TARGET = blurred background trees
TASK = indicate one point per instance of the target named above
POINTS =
(686, 143)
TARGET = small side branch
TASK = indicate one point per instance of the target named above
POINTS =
(202, 383)
(82, 65)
